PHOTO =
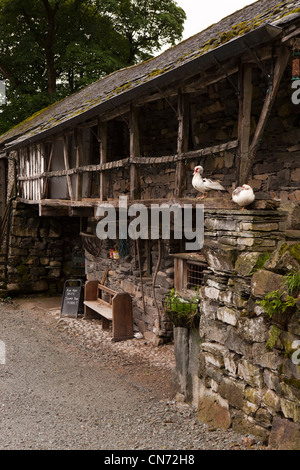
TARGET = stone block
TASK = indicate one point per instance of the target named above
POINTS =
(220, 257)
(213, 410)
(128, 286)
(227, 315)
(233, 392)
(283, 259)
(24, 231)
(251, 374)
(265, 227)
(265, 281)
(246, 263)
(272, 401)
(208, 308)
(211, 293)
(295, 176)
(264, 417)
(211, 330)
(253, 329)
(272, 381)
(290, 409)
(214, 354)
(234, 342)
(250, 408)
(181, 352)
(221, 224)
(285, 435)
(272, 360)
(254, 395)
(248, 425)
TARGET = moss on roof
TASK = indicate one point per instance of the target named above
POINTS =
(120, 82)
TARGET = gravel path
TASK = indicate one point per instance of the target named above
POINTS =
(66, 386)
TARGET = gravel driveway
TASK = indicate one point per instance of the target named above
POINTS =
(65, 385)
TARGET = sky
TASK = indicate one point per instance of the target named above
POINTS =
(202, 13)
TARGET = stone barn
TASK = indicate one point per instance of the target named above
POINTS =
(226, 99)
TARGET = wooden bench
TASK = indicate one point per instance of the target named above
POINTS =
(112, 307)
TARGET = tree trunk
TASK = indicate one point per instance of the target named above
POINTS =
(51, 72)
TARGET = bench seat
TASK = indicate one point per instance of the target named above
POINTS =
(99, 308)
(116, 312)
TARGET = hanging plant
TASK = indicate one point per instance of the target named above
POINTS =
(181, 311)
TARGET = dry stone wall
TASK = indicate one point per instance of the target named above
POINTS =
(237, 380)
(39, 251)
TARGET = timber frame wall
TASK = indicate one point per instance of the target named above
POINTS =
(35, 172)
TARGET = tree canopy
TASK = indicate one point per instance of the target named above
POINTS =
(52, 48)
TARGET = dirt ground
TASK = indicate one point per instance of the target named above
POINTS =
(66, 386)
(142, 362)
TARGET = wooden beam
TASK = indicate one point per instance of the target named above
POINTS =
(81, 211)
(48, 162)
(135, 184)
(280, 66)
(291, 35)
(58, 211)
(79, 160)
(102, 131)
(67, 167)
(244, 124)
(192, 155)
(182, 141)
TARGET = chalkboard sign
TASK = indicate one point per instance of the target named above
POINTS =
(72, 302)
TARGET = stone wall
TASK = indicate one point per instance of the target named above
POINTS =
(238, 380)
(124, 276)
(40, 251)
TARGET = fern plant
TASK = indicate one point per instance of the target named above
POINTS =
(273, 303)
(278, 304)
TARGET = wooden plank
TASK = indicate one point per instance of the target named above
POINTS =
(244, 123)
(135, 184)
(182, 141)
(102, 130)
(101, 309)
(79, 159)
(90, 294)
(106, 289)
(122, 317)
(53, 211)
(296, 32)
(67, 167)
(46, 181)
(280, 66)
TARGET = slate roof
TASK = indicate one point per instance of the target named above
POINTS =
(123, 85)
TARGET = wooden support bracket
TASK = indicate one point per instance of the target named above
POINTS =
(280, 66)
(182, 141)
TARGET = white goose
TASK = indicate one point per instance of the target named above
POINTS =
(243, 196)
(203, 185)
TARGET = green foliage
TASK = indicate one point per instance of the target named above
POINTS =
(295, 251)
(52, 48)
(275, 303)
(273, 337)
(280, 303)
(292, 282)
(181, 311)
